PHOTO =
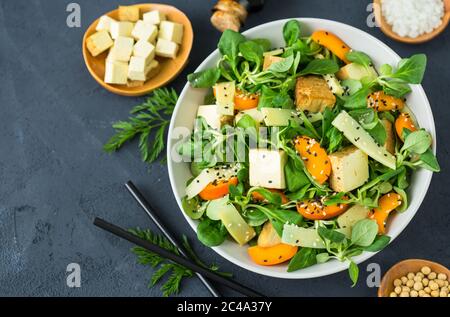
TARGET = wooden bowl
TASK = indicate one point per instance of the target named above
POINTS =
(387, 29)
(168, 68)
(403, 268)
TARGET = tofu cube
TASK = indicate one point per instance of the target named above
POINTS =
(116, 72)
(225, 92)
(349, 169)
(154, 17)
(99, 42)
(313, 94)
(121, 28)
(137, 69)
(267, 168)
(122, 49)
(104, 23)
(128, 13)
(153, 69)
(171, 31)
(144, 49)
(144, 31)
(212, 116)
(165, 48)
(111, 57)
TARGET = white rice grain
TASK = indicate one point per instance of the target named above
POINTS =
(412, 18)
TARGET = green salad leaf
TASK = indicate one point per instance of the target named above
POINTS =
(205, 78)
(291, 32)
(303, 258)
(364, 232)
(211, 232)
(320, 67)
(359, 58)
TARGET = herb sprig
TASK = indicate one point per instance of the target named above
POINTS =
(174, 272)
(151, 118)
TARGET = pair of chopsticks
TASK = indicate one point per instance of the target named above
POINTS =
(202, 273)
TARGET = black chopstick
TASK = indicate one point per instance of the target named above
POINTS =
(122, 233)
(132, 189)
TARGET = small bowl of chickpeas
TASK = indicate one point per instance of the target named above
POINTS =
(416, 278)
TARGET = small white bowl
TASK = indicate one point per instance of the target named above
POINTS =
(191, 98)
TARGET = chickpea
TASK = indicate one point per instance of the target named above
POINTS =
(410, 276)
(440, 283)
(422, 293)
(418, 286)
(425, 281)
(445, 283)
(397, 282)
(443, 294)
(404, 279)
(419, 274)
(398, 290)
(404, 294)
(417, 279)
(442, 277)
(415, 294)
(445, 289)
(427, 290)
(432, 276)
(393, 294)
(406, 289)
(410, 283)
(434, 294)
(425, 270)
(433, 286)
(426, 295)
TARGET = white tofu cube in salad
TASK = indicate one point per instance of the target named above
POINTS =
(267, 168)
(212, 116)
(171, 31)
(349, 169)
(224, 93)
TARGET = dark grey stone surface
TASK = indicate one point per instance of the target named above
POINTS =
(54, 176)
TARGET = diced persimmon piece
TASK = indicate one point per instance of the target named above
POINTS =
(314, 157)
(379, 101)
(272, 255)
(404, 121)
(386, 204)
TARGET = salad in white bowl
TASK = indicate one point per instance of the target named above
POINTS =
(301, 154)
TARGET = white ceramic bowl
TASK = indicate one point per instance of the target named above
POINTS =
(190, 98)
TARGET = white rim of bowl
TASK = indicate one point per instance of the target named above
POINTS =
(338, 266)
